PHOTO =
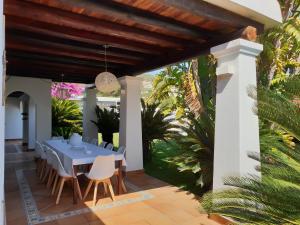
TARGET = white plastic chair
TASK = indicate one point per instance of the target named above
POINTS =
(103, 144)
(121, 150)
(102, 170)
(48, 168)
(44, 160)
(109, 146)
(61, 177)
(40, 156)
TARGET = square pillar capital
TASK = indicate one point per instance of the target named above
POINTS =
(238, 46)
(130, 81)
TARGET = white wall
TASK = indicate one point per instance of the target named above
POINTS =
(39, 90)
(2, 115)
(13, 119)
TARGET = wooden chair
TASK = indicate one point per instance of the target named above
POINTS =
(102, 170)
(61, 177)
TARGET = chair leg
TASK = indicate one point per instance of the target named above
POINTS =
(42, 169)
(105, 188)
(87, 189)
(95, 192)
(123, 186)
(61, 186)
(47, 170)
(38, 166)
(111, 191)
(55, 183)
(78, 190)
(50, 178)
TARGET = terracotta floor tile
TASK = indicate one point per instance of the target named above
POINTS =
(169, 205)
(74, 220)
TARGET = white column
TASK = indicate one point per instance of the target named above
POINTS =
(2, 110)
(31, 124)
(131, 122)
(89, 105)
(236, 125)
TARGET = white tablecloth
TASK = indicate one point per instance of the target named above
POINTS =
(85, 154)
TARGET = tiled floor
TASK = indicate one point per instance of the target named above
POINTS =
(149, 202)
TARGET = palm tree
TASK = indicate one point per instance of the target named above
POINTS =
(275, 198)
(281, 54)
(155, 126)
(66, 118)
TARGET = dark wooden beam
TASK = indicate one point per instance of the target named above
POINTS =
(77, 45)
(53, 30)
(62, 18)
(58, 49)
(211, 12)
(51, 66)
(68, 77)
(109, 10)
(58, 59)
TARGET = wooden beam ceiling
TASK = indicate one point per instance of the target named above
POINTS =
(81, 36)
(108, 10)
(50, 37)
(27, 10)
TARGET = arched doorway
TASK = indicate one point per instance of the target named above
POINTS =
(20, 122)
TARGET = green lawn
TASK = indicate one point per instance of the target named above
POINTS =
(163, 167)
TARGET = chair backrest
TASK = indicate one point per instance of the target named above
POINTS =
(103, 144)
(57, 164)
(122, 150)
(49, 155)
(103, 167)
(38, 149)
(94, 141)
(109, 146)
(57, 138)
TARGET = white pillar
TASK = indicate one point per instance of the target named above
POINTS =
(89, 105)
(131, 122)
(31, 124)
(236, 125)
(2, 110)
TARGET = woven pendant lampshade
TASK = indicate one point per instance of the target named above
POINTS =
(106, 82)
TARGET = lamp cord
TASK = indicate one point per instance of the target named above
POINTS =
(105, 47)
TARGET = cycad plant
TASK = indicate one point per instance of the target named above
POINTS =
(196, 139)
(275, 197)
(155, 126)
(195, 134)
(66, 118)
(107, 122)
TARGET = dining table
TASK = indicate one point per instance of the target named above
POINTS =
(73, 157)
